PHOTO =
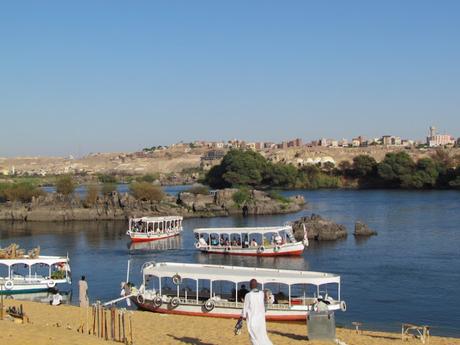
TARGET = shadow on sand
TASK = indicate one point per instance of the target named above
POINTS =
(189, 340)
(290, 335)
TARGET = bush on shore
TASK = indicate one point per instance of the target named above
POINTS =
(92, 192)
(241, 196)
(20, 191)
(65, 185)
(146, 191)
(198, 189)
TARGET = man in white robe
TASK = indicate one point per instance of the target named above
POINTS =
(254, 313)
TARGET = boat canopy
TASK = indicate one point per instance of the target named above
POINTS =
(46, 260)
(251, 230)
(157, 219)
(237, 274)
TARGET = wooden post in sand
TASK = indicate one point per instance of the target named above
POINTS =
(98, 321)
(105, 325)
(130, 329)
(112, 323)
(93, 310)
(1, 302)
(123, 326)
(119, 326)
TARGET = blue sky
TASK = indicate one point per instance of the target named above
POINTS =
(90, 76)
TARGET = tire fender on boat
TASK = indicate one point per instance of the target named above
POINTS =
(176, 279)
(228, 248)
(157, 301)
(9, 284)
(261, 249)
(140, 299)
(209, 305)
(174, 302)
(197, 245)
(276, 249)
(343, 306)
(51, 284)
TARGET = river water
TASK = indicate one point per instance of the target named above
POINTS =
(410, 272)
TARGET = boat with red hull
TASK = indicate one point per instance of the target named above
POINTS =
(147, 229)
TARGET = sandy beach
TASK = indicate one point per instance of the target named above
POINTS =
(53, 325)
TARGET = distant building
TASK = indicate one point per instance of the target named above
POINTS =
(435, 140)
(211, 158)
(391, 140)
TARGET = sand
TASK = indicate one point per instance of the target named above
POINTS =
(58, 325)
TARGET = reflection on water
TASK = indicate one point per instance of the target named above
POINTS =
(160, 245)
(408, 273)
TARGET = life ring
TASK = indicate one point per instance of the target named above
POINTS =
(157, 301)
(174, 302)
(176, 279)
(228, 248)
(51, 284)
(343, 306)
(140, 299)
(261, 249)
(9, 284)
(276, 249)
(197, 245)
(209, 305)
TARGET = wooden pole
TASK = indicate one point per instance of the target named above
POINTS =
(112, 323)
(1, 302)
(123, 327)
(93, 310)
(105, 325)
(131, 328)
(119, 326)
(98, 321)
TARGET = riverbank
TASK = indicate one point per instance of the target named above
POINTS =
(51, 325)
(122, 206)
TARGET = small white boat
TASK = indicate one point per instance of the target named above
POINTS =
(255, 241)
(154, 228)
(24, 274)
(218, 291)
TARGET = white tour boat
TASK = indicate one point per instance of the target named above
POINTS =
(154, 228)
(218, 291)
(24, 274)
(256, 241)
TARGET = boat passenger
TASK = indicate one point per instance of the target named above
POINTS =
(278, 239)
(254, 243)
(242, 293)
(254, 313)
(56, 299)
(202, 242)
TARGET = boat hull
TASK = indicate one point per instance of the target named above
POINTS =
(288, 250)
(221, 312)
(136, 238)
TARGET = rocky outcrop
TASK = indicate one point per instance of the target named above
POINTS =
(363, 230)
(116, 206)
(318, 228)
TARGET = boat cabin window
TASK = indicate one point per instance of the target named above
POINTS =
(149, 227)
(3, 271)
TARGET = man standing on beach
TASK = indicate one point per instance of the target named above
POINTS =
(254, 313)
(83, 292)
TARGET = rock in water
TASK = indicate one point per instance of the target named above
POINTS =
(362, 229)
(319, 229)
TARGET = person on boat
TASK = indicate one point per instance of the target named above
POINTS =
(83, 292)
(253, 243)
(242, 293)
(56, 299)
(202, 242)
(254, 313)
(278, 239)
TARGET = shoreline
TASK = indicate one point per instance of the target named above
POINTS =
(49, 325)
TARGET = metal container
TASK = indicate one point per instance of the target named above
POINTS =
(321, 325)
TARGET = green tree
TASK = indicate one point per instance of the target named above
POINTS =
(238, 168)
(396, 167)
(364, 165)
(106, 178)
(241, 196)
(65, 185)
(20, 191)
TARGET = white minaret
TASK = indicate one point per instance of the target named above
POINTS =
(432, 131)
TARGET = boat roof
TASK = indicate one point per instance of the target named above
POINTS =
(241, 230)
(157, 219)
(238, 274)
(47, 260)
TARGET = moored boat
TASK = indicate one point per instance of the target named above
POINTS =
(251, 241)
(23, 274)
(154, 228)
(218, 291)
